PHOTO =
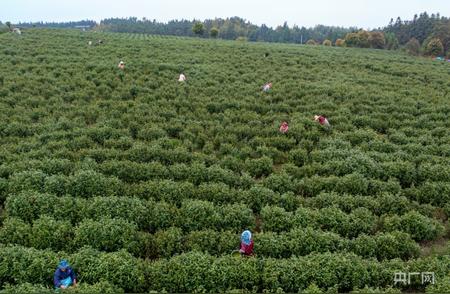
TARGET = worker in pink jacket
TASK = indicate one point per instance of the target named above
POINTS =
(322, 120)
(284, 127)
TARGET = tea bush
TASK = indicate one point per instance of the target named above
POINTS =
(420, 227)
(159, 178)
(106, 235)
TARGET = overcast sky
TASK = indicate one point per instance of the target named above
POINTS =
(360, 13)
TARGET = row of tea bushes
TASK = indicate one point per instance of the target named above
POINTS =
(195, 272)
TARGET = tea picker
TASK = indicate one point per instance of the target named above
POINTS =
(246, 243)
(284, 127)
(64, 276)
(182, 78)
(121, 65)
(322, 120)
(267, 87)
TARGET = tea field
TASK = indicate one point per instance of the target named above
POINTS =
(144, 183)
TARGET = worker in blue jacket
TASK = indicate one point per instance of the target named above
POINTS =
(64, 276)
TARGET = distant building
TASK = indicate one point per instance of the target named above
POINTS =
(83, 28)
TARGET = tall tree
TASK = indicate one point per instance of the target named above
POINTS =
(198, 28)
(413, 47)
(214, 32)
(391, 41)
(442, 32)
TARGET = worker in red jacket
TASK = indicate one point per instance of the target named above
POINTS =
(246, 243)
(322, 120)
(284, 127)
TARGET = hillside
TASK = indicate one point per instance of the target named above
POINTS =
(145, 183)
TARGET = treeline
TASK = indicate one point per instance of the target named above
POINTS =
(61, 25)
(428, 35)
(230, 29)
(424, 35)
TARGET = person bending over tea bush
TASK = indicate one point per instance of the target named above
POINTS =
(267, 87)
(322, 120)
(284, 127)
(64, 276)
(246, 243)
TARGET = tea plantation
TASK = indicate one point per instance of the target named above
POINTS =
(144, 183)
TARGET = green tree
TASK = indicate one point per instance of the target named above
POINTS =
(442, 32)
(9, 25)
(214, 32)
(326, 43)
(311, 42)
(377, 40)
(391, 41)
(198, 28)
(434, 47)
(413, 47)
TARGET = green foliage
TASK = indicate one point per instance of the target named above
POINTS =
(15, 231)
(413, 47)
(160, 178)
(97, 288)
(441, 286)
(391, 41)
(118, 268)
(312, 288)
(89, 183)
(276, 219)
(29, 206)
(198, 28)
(259, 167)
(131, 209)
(197, 215)
(258, 196)
(385, 246)
(47, 232)
(197, 272)
(367, 290)
(420, 227)
(26, 265)
(106, 234)
(26, 288)
(26, 181)
(169, 242)
(214, 32)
